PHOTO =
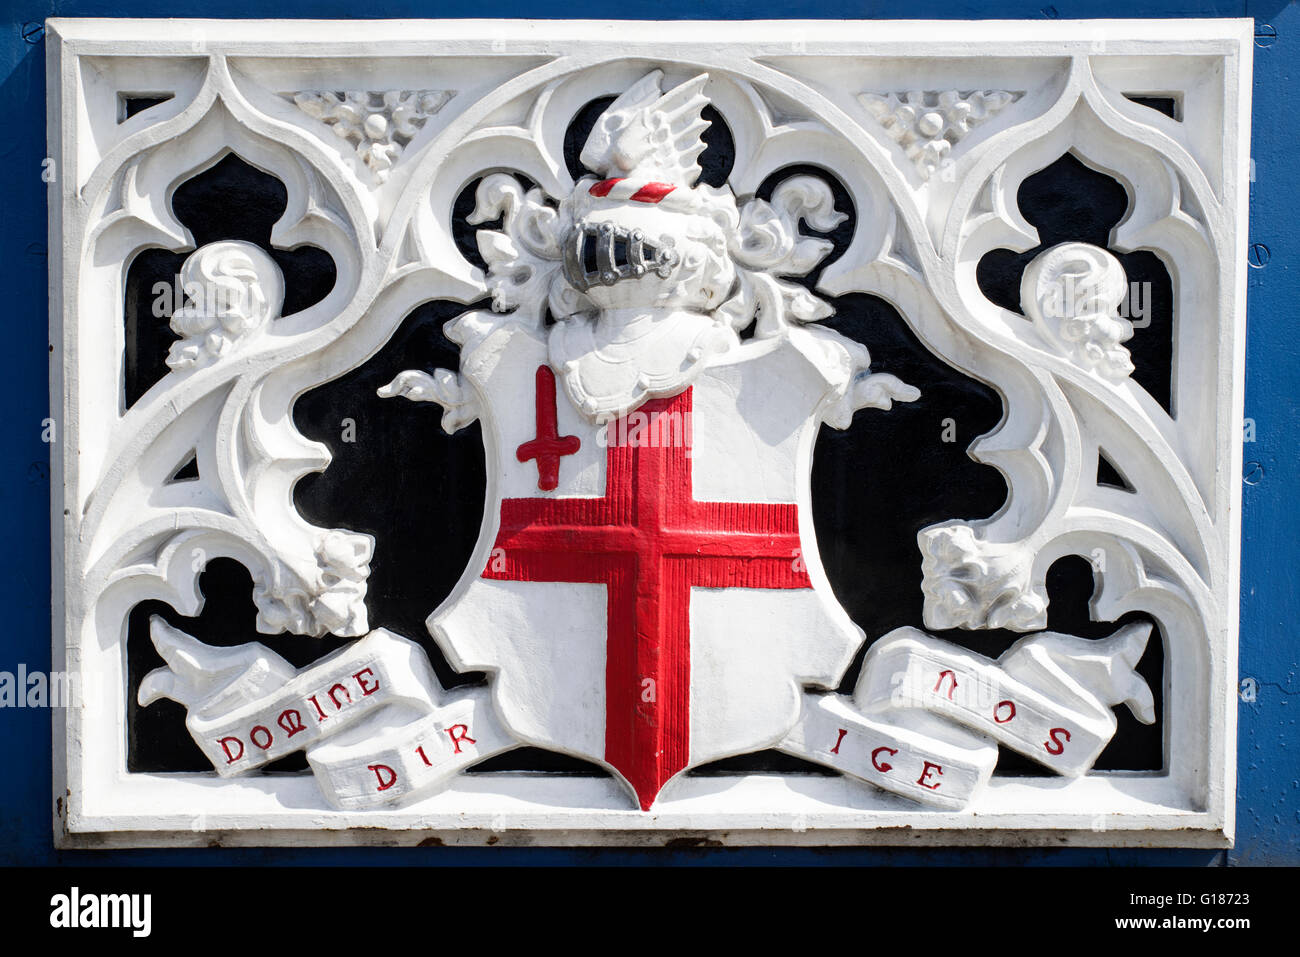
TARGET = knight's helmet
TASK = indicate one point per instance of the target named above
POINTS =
(643, 234)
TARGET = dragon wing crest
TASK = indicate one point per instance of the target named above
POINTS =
(649, 134)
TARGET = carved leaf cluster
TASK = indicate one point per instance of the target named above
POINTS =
(769, 244)
(380, 125)
(929, 124)
(331, 600)
(524, 257)
(969, 583)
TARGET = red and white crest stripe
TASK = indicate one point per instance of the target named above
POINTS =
(638, 191)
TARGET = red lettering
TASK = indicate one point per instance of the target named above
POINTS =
(836, 749)
(464, 735)
(291, 721)
(925, 776)
(380, 770)
(320, 715)
(362, 685)
(1011, 712)
(1055, 746)
(879, 765)
(334, 697)
(252, 736)
(424, 757)
(939, 684)
(231, 758)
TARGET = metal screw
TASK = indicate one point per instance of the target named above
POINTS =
(1265, 34)
(33, 31)
(1259, 255)
(1254, 473)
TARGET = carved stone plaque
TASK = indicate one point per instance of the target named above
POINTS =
(645, 274)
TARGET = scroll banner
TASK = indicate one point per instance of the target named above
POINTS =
(926, 716)
(924, 722)
(375, 723)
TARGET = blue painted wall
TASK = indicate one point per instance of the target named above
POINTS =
(1268, 815)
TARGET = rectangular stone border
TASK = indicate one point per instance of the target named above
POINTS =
(115, 809)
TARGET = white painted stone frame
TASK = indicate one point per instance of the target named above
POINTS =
(921, 232)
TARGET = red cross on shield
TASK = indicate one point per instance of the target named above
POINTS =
(648, 542)
(645, 594)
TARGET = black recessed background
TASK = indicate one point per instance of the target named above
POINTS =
(189, 470)
(420, 491)
(1168, 105)
(1107, 474)
(131, 105)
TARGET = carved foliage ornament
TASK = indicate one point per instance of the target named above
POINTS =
(648, 358)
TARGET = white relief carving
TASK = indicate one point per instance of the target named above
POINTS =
(234, 289)
(718, 262)
(1049, 697)
(220, 397)
(330, 600)
(1074, 291)
(928, 124)
(247, 706)
(650, 135)
(523, 259)
(379, 124)
(460, 404)
(969, 583)
(626, 277)
(646, 146)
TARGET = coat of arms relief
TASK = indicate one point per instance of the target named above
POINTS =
(646, 343)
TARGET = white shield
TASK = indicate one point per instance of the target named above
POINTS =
(689, 514)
